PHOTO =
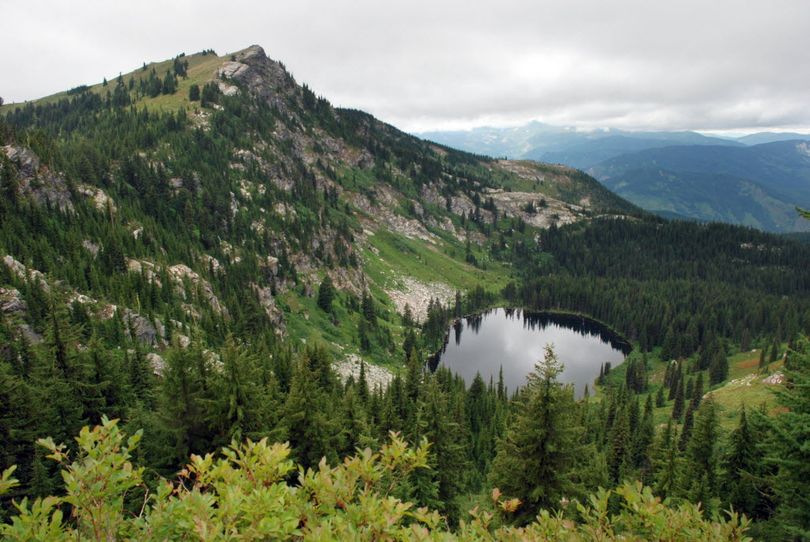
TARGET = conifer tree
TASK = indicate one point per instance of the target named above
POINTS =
(535, 458)
(742, 465)
(699, 476)
(788, 448)
(677, 406)
(666, 474)
(326, 294)
(643, 441)
(718, 369)
(659, 397)
(686, 429)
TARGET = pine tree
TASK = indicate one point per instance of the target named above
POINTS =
(677, 406)
(535, 459)
(194, 93)
(306, 416)
(643, 441)
(666, 461)
(686, 430)
(697, 392)
(774, 351)
(326, 294)
(659, 397)
(788, 448)
(718, 370)
(699, 476)
(367, 307)
(182, 399)
(620, 452)
(742, 467)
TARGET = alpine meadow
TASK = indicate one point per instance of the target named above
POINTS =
(224, 303)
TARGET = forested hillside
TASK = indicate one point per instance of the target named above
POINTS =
(757, 186)
(213, 254)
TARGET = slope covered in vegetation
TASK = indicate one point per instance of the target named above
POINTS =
(200, 254)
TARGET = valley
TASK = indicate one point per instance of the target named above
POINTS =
(217, 257)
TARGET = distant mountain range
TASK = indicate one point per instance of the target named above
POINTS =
(755, 180)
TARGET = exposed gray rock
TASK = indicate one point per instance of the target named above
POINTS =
(181, 272)
(31, 336)
(91, 247)
(140, 327)
(37, 182)
(156, 362)
(101, 201)
(26, 161)
(27, 274)
(376, 376)
(268, 303)
(11, 301)
(417, 295)
(264, 78)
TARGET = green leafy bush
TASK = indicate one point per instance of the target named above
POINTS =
(245, 494)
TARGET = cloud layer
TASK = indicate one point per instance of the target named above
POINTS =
(719, 65)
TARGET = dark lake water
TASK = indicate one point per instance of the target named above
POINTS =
(515, 340)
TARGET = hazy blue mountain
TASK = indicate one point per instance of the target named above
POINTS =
(564, 145)
(591, 152)
(756, 186)
(770, 137)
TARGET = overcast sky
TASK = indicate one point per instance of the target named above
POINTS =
(733, 65)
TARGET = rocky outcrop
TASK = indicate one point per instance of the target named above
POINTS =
(262, 77)
(156, 362)
(268, 303)
(417, 295)
(37, 182)
(380, 213)
(11, 301)
(26, 274)
(98, 197)
(376, 376)
(547, 211)
(181, 272)
(26, 161)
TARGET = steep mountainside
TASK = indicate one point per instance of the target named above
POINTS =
(216, 193)
(756, 186)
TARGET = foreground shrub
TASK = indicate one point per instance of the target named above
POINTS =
(246, 493)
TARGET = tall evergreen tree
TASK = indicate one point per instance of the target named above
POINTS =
(700, 471)
(742, 465)
(535, 458)
(788, 448)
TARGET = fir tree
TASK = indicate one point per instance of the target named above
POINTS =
(699, 476)
(788, 448)
(741, 467)
(535, 459)
(326, 294)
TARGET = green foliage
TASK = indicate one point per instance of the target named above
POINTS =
(243, 494)
(536, 458)
(326, 294)
(788, 448)
(194, 93)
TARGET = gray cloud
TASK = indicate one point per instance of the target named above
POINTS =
(638, 64)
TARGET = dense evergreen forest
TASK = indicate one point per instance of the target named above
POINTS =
(133, 259)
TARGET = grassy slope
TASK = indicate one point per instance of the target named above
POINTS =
(744, 386)
(201, 69)
(388, 258)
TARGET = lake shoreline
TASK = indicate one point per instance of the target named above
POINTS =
(582, 341)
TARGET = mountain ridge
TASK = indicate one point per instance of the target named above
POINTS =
(260, 171)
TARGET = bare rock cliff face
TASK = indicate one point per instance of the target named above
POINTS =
(263, 77)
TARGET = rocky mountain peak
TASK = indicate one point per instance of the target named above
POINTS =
(262, 76)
